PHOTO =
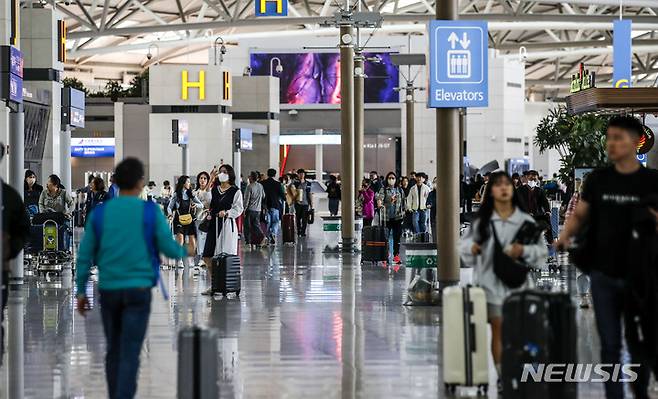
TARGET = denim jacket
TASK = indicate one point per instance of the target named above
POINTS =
(392, 210)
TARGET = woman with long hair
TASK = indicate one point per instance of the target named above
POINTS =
(97, 196)
(202, 192)
(500, 211)
(182, 210)
(31, 192)
(392, 203)
(366, 202)
(225, 206)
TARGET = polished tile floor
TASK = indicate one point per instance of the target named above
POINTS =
(307, 325)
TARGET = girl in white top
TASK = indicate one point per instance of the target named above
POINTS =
(202, 192)
(499, 209)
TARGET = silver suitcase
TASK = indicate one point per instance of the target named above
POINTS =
(197, 363)
(464, 332)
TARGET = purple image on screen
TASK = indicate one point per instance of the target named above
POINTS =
(314, 78)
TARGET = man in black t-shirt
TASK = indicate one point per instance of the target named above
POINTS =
(610, 197)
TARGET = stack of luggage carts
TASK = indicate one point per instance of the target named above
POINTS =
(49, 247)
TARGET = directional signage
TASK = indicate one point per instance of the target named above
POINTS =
(271, 8)
(458, 64)
(622, 43)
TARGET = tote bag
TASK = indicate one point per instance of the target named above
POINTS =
(227, 242)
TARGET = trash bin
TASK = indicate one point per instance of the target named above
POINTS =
(331, 233)
(421, 257)
(331, 226)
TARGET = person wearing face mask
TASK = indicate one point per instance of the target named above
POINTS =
(226, 204)
(417, 203)
(31, 192)
(392, 204)
(533, 201)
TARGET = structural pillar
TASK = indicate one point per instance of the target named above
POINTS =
(447, 173)
(65, 158)
(319, 157)
(15, 346)
(185, 160)
(462, 136)
(347, 136)
(16, 176)
(409, 105)
(359, 120)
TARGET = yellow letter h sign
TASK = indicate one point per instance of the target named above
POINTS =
(279, 5)
(201, 85)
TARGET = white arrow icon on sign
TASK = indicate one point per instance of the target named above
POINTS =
(453, 39)
(464, 42)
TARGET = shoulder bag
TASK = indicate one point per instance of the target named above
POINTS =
(513, 273)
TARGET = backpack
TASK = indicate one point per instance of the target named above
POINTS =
(150, 213)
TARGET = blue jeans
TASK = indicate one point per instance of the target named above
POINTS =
(125, 315)
(608, 300)
(273, 225)
(419, 220)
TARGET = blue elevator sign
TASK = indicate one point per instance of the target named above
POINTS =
(459, 75)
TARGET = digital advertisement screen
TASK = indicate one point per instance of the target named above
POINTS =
(92, 147)
(314, 78)
(183, 132)
(246, 139)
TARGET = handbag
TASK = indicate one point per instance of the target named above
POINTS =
(185, 219)
(227, 242)
(358, 207)
(311, 216)
(511, 272)
(204, 226)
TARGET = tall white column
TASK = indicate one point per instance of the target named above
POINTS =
(65, 158)
(319, 154)
(16, 176)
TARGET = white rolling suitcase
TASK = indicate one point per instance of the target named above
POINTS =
(465, 351)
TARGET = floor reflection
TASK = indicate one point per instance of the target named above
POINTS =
(307, 324)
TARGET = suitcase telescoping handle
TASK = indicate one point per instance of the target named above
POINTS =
(472, 336)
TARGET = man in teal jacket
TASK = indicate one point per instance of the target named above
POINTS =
(117, 240)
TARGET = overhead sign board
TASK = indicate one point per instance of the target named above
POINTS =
(189, 85)
(459, 75)
(92, 147)
(73, 107)
(11, 72)
(271, 8)
(622, 75)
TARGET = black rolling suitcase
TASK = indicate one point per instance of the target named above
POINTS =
(539, 328)
(374, 245)
(197, 363)
(226, 274)
(288, 227)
